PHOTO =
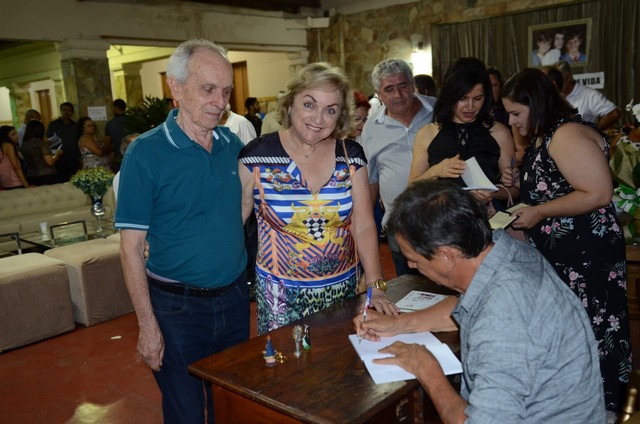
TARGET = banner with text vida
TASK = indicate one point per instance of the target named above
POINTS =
(592, 79)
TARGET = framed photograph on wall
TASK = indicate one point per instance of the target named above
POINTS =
(568, 40)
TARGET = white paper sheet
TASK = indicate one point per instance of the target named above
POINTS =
(475, 178)
(368, 350)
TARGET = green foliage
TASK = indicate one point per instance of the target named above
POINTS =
(149, 114)
(94, 182)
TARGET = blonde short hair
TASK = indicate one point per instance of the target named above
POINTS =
(315, 75)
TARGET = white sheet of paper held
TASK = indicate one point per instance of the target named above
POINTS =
(474, 178)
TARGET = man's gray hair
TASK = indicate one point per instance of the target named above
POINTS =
(178, 64)
(390, 67)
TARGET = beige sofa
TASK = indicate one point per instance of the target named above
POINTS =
(22, 210)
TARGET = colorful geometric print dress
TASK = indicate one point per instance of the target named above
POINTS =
(306, 254)
(588, 252)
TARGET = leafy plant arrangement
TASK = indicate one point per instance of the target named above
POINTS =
(149, 114)
(94, 182)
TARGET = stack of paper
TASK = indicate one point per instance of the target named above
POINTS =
(368, 350)
(416, 300)
(504, 219)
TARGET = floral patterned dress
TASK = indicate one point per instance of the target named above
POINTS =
(306, 257)
(588, 252)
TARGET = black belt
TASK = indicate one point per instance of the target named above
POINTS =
(183, 289)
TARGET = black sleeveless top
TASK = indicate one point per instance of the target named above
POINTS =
(468, 140)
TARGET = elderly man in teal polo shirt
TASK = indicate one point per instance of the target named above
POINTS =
(180, 191)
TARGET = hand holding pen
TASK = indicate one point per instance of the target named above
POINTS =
(366, 307)
(515, 172)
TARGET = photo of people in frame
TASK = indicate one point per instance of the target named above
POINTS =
(567, 41)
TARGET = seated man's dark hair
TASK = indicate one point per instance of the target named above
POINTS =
(434, 213)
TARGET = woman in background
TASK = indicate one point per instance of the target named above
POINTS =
(37, 154)
(463, 128)
(565, 179)
(309, 189)
(93, 152)
(11, 175)
(360, 114)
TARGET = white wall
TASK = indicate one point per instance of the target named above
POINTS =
(268, 73)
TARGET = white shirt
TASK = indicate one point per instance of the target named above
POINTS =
(241, 127)
(591, 104)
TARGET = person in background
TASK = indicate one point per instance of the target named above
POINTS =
(573, 53)
(270, 121)
(527, 350)
(308, 187)
(554, 54)
(116, 128)
(93, 152)
(65, 128)
(238, 124)
(462, 129)
(388, 137)
(592, 105)
(543, 45)
(29, 115)
(425, 85)
(555, 76)
(360, 117)
(253, 113)
(360, 114)
(11, 175)
(498, 113)
(124, 144)
(180, 191)
(565, 178)
(41, 162)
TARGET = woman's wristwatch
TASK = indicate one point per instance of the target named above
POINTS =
(378, 284)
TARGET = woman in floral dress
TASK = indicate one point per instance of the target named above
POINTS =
(572, 221)
(310, 192)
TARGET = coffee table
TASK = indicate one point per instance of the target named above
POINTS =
(68, 233)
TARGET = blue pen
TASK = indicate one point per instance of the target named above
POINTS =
(366, 306)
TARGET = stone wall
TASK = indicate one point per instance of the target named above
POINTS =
(357, 42)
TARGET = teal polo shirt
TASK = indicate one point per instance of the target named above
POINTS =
(189, 202)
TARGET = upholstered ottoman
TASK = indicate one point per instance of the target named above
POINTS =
(34, 299)
(98, 291)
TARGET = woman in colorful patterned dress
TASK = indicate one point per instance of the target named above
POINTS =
(572, 221)
(310, 192)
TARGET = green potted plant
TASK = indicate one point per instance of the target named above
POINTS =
(149, 114)
(94, 182)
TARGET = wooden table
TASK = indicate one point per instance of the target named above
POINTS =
(328, 384)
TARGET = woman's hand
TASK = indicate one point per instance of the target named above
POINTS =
(527, 217)
(449, 168)
(510, 177)
(381, 303)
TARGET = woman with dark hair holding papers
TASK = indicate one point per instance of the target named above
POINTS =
(463, 128)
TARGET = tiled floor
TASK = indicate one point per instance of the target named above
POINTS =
(87, 376)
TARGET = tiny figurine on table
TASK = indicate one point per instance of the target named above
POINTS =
(306, 338)
(269, 354)
(297, 337)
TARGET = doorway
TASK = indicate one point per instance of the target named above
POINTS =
(44, 106)
(240, 87)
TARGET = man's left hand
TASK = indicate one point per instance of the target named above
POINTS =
(413, 358)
